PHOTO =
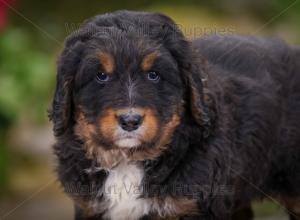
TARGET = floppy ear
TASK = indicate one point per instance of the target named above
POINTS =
(200, 100)
(61, 106)
(61, 113)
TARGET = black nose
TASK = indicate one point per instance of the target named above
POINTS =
(130, 122)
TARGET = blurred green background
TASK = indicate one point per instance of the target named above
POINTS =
(31, 36)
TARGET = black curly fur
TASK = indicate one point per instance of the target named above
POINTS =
(239, 136)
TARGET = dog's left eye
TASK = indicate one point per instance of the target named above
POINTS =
(102, 77)
(153, 76)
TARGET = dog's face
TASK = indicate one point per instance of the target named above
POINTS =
(124, 82)
(129, 96)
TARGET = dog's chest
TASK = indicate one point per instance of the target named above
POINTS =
(122, 190)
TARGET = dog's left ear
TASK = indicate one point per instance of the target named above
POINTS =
(200, 100)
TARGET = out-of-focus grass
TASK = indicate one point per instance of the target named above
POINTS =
(267, 208)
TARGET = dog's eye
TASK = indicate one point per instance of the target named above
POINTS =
(102, 77)
(153, 76)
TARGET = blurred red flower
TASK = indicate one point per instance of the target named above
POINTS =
(4, 12)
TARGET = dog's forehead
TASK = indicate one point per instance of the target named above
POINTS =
(142, 58)
(146, 61)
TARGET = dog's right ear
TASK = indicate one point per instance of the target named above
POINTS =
(62, 106)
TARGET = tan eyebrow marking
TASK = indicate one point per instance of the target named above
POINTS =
(149, 60)
(107, 62)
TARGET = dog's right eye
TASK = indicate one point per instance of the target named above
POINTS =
(153, 76)
(102, 77)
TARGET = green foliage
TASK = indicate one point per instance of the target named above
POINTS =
(26, 76)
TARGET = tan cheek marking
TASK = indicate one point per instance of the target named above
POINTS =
(108, 123)
(148, 60)
(85, 131)
(106, 158)
(107, 62)
(160, 146)
(151, 125)
(169, 129)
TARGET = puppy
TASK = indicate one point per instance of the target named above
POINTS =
(151, 126)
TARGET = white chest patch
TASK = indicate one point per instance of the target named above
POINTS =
(122, 190)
